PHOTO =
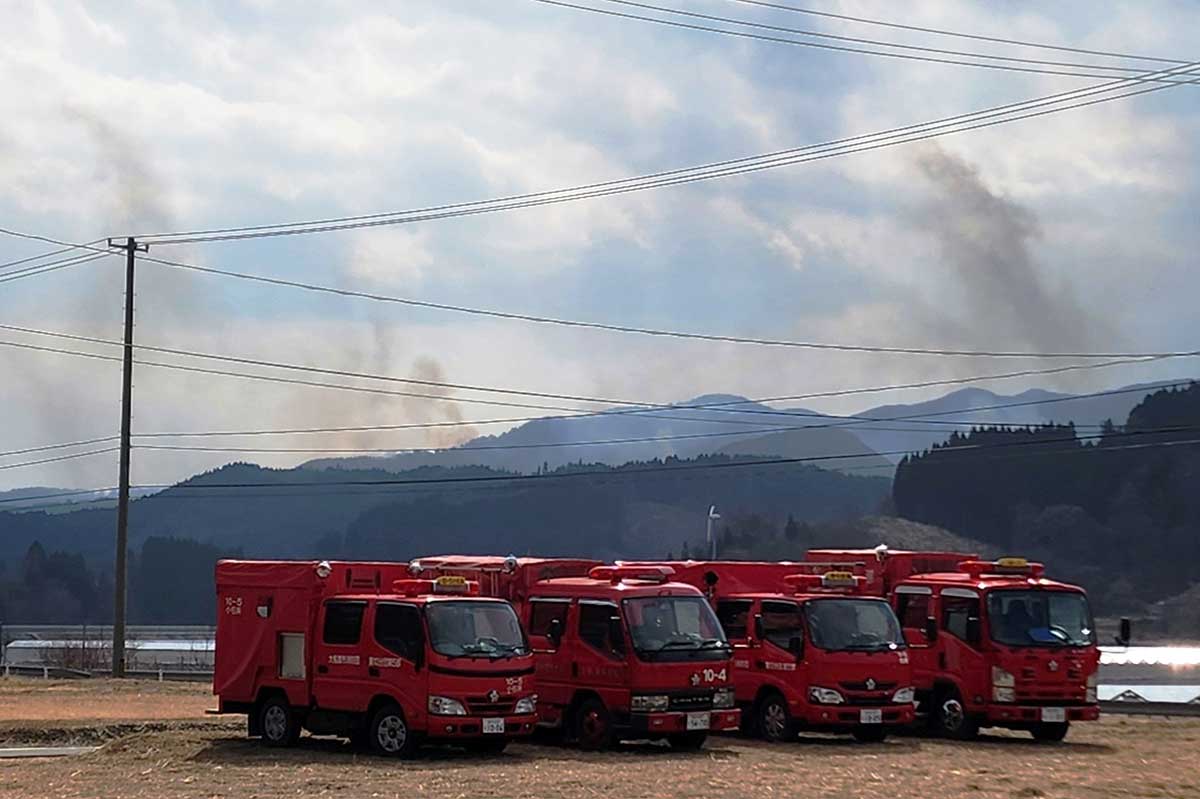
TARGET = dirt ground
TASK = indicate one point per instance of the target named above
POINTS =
(191, 756)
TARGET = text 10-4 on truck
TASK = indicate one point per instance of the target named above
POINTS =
(368, 652)
(992, 643)
(620, 651)
(812, 650)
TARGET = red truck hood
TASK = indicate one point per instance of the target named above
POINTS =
(512, 678)
(1048, 674)
(866, 672)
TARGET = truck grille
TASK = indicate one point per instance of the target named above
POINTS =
(693, 700)
(482, 706)
(862, 686)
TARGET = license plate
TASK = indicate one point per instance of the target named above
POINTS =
(1054, 714)
(493, 726)
(698, 721)
(870, 717)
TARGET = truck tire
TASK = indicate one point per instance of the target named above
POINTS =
(277, 722)
(389, 732)
(687, 741)
(593, 725)
(873, 734)
(772, 719)
(950, 717)
(1050, 731)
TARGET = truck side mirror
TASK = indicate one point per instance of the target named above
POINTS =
(796, 646)
(758, 627)
(1126, 634)
(931, 629)
(555, 632)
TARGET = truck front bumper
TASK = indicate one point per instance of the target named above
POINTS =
(672, 723)
(1002, 715)
(460, 727)
(848, 716)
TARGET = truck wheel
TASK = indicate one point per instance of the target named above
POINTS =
(593, 725)
(277, 722)
(772, 720)
(1050, 731)
(950, 717)
(390, 734)
(870, 735)
(687, 741)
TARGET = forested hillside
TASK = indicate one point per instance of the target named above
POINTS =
(637, 510)
(1120, 513)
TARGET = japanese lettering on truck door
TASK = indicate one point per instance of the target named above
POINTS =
(338, 664)
(783, 636)
(395, 655)
(735, 616)
(600, 655)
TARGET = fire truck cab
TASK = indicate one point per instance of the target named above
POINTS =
(620, 652)
(811, 650)
(992, 643)
(368, 652)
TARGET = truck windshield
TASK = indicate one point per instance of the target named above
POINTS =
(1040, 618)
(675, 627)
(853, 625)
(475, 629)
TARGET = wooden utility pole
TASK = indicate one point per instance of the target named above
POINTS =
(131, 248)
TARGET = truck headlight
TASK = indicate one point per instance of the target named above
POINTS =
(723, 699)
(526, 705)
(905, 696)
(1002, 678)
(650, 703)
(1002, 694)
(825, 696)
(445, 706)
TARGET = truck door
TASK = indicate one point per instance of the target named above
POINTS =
(338, 665)
(396, 658)
(600, 658)
(552, 656)
(914, 606)
(960, 644)
(735, 615)
(783, 627)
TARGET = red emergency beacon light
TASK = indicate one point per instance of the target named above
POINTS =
(1003, 566)
(620, 573)
(842, 582)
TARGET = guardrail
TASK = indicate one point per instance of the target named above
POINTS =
(54, 673)
(1151, 708)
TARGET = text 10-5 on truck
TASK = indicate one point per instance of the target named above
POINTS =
(811, 650)
(620, 652)
(992, 643)
(365, 651)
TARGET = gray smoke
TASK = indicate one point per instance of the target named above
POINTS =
(988, 244)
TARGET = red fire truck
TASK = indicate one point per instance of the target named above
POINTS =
(621, 652)
(993, 644)
(368, 652)
(811, 650)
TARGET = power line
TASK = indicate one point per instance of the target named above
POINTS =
(842, 421)
(774, 159)
(67, 445)
(52, 253)
(53, 266)
(678, 469)
(722, 406)
(837, 48)
(59, 458)
(956, 34)
(56, 495)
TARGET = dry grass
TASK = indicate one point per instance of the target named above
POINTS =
(1114, 758)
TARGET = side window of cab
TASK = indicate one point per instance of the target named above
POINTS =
(960, 615)
(734, 615)
(547, 622)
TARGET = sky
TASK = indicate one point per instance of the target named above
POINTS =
(1073, 231)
